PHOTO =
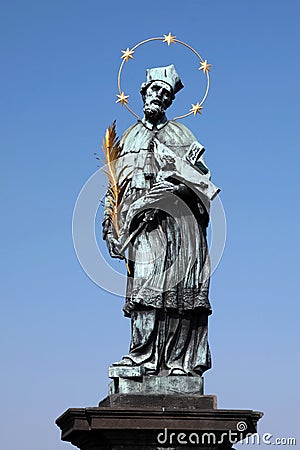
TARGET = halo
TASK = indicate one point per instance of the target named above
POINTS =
(169, 39)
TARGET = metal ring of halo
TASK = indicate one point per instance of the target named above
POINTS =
(178, 42)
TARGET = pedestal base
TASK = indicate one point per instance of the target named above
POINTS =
(154, 422)
(132, 380)
(176, 385)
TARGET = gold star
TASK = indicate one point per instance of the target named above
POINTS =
(196, 109)
(169, 39)
(127, 54)
(122, 98)
(205, 66)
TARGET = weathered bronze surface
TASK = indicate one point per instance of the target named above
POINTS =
(155, 397)
(163, 219)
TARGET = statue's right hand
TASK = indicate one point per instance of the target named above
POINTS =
(114, 247)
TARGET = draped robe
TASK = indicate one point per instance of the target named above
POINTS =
(169, 271)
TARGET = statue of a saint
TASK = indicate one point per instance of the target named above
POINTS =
(163, 219)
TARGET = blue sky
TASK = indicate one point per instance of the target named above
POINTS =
(59, 330)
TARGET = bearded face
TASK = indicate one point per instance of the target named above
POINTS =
(157, 99)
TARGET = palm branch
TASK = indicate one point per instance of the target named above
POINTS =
(112, 149)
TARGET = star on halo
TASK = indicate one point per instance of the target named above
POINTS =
(196, 109)
(127, 54)
(122, 98)
(169, 39)
(205, 66)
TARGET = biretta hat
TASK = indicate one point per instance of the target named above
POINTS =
(166, 74)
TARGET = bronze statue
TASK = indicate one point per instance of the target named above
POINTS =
(162, 222)
(155, 219)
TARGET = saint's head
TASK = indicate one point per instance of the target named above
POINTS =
(159, 91)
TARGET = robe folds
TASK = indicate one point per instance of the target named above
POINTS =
(168, 259)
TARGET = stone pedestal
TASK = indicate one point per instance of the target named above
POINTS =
(154, 422)
(146, 385)
(132, 380)
(144, 412)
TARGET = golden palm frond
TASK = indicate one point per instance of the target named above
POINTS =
(111, 149)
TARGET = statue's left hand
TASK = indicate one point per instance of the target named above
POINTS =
(162, 187)
(157, 193)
